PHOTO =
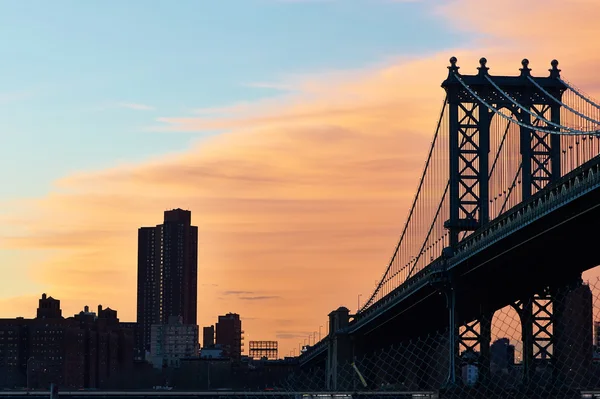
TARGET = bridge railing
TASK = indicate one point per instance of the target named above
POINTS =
(314, 351)
(400, 292)
(577, 182)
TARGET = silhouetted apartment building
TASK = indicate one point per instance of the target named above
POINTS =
(108, 347)
(134, 330)
(14, 352)
(49, 308)
(229, 335)
(208, 337)
(50, 348)
(167, 273)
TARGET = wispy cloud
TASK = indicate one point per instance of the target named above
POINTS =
(259, 298)
(249, 295)
(292, 334)
(238, 292)
(136, 106)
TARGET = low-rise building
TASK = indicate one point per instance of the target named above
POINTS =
(213, 352)
(85, 351)
(172, 342)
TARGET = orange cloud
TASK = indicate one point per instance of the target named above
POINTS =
(298, 205)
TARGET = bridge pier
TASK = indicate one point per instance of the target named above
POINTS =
(475, 337)
(468, 342)
(557, 331)
(339, 352)
(537, 327)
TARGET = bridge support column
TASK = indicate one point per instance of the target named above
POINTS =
(537, 327)
(339, 352)
(469, 145)
(468, 343)
(474, 341)
(476, 337)
(540, 152)
(557, 332)
(452, 337)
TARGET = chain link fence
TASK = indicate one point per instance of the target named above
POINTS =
(541, 347)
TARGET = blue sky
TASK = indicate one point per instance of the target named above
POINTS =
(71, 68)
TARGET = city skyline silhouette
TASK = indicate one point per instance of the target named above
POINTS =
(305, 179)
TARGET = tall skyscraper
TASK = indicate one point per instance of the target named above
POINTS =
(167, 273)
(229, 335)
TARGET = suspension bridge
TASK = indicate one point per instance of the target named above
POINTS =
(501, 217)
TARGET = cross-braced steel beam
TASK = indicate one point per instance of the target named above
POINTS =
(469, 148)
(537, 327)
(474, 339)
(540, 151)
(470, 102)
(469, 340)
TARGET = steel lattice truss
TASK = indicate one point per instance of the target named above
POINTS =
(468, 154)
(544, 123)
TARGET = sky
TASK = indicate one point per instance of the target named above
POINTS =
(294, 130)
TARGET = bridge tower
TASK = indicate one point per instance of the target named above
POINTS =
(470, 117)
(469, 135)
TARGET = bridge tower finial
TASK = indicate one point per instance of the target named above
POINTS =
(525, 71)
(483, 70)
(554, 72)
(453, 68)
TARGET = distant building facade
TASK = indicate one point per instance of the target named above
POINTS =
(502, 354)
(167, 273)
(229, 335)
(84, 351)
(48, 308)
(212, 352)
(574, 347)
(208, 337)
(470, 374)
(172, 342)
(132, 326)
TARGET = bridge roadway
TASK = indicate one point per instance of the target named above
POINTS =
(542, 241)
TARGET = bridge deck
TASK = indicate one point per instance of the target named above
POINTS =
(520, 248)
